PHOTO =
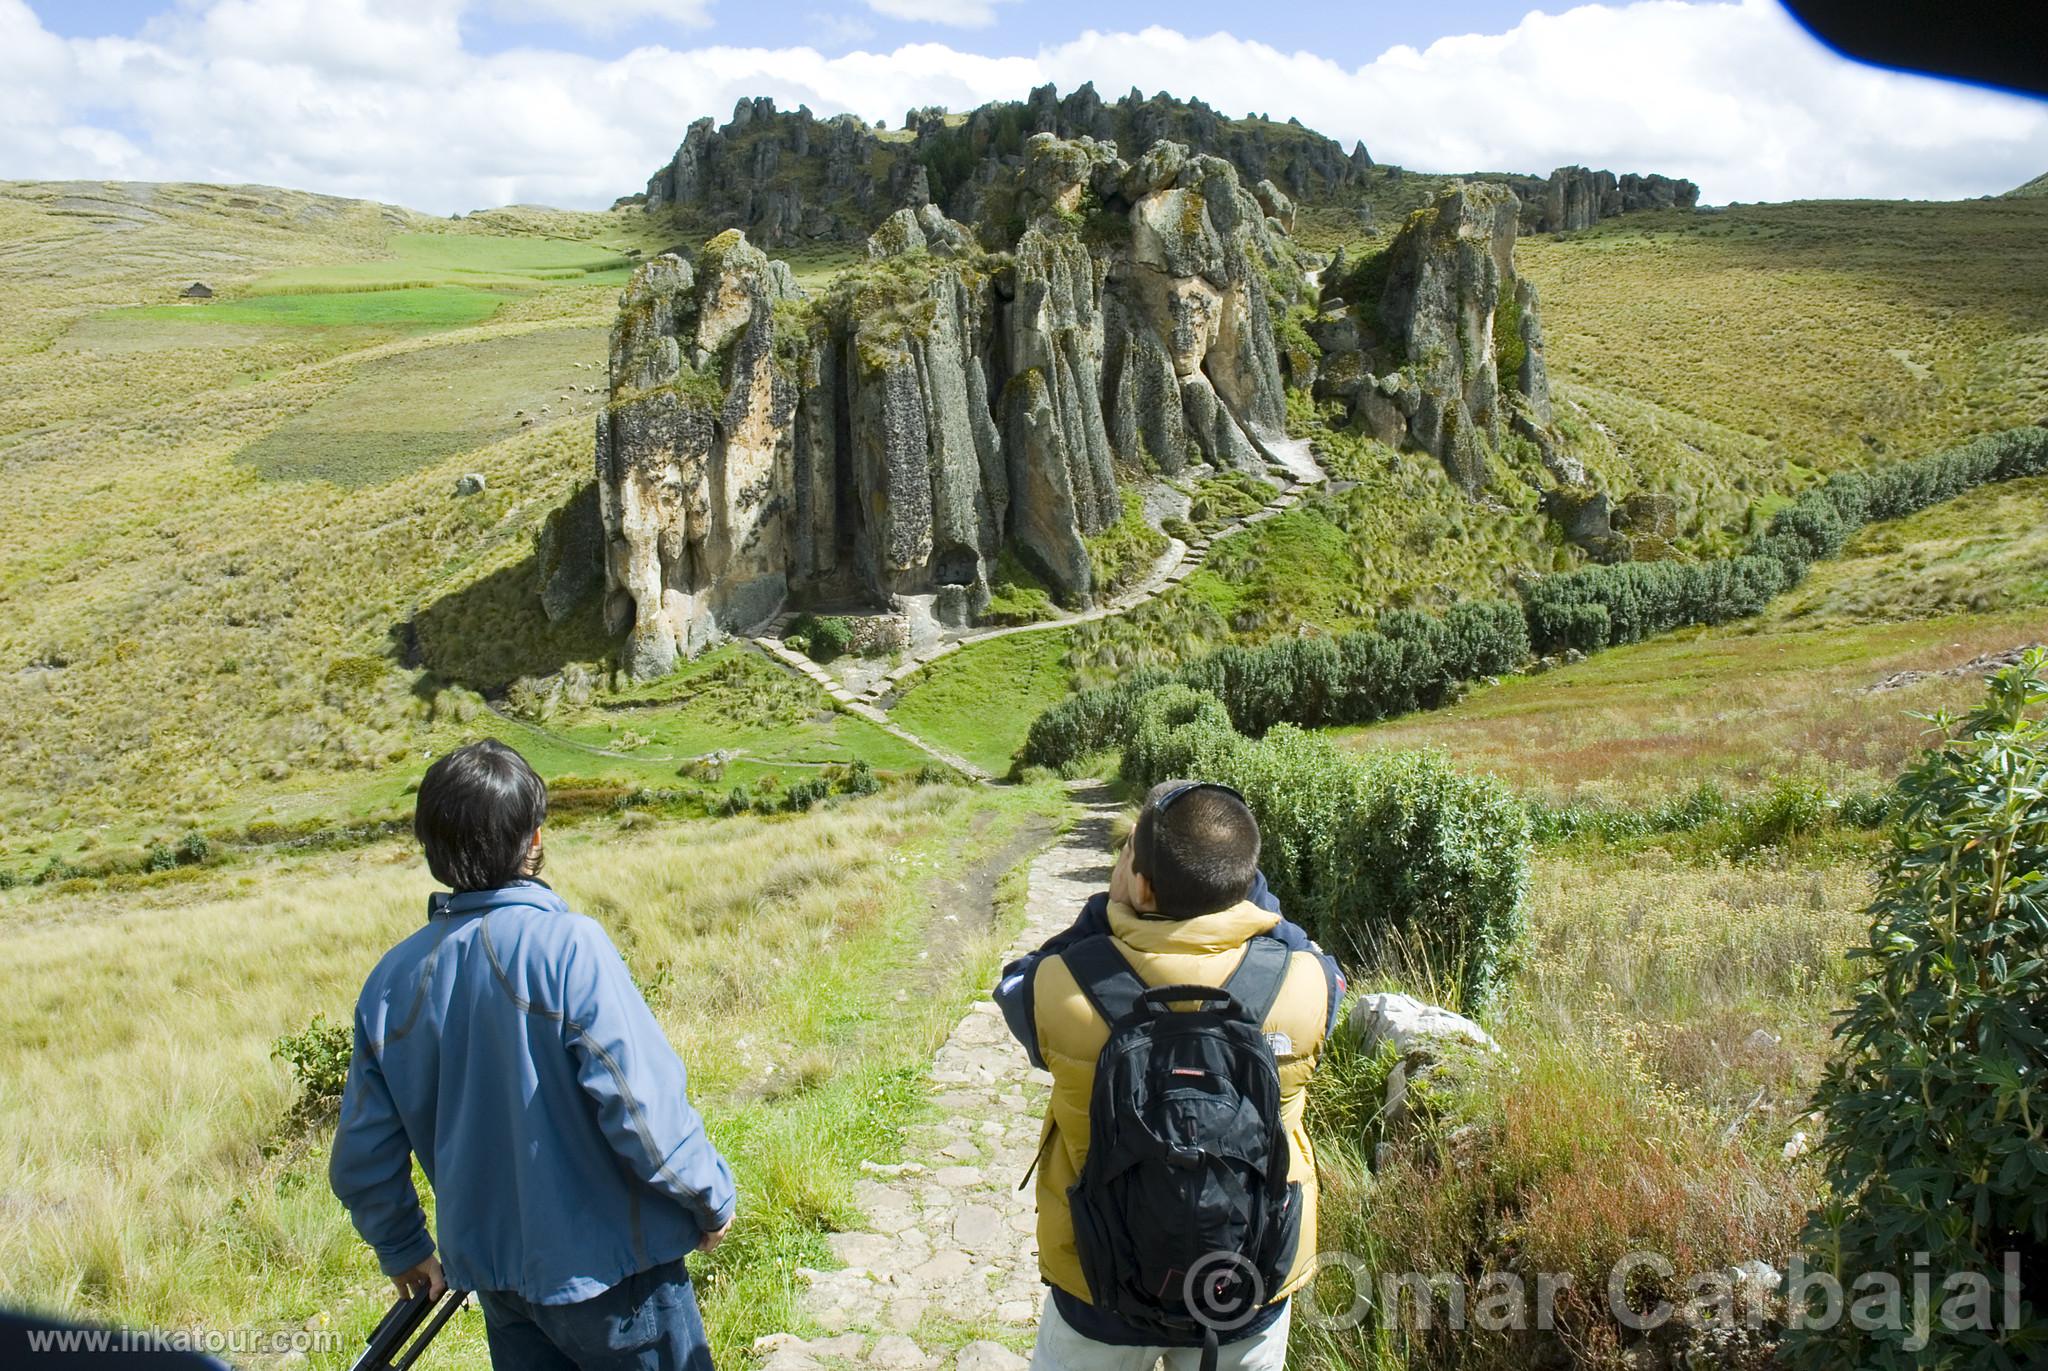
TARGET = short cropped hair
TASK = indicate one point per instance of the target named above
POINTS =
(1198, 846)
(477, 812)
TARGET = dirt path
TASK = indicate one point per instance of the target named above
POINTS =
(1176, 564)
(945, 1275)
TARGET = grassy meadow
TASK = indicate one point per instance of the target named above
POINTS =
(805, 968)
(1794, 691)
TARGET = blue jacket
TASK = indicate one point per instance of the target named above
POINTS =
(1013, 988)
(505, 1045)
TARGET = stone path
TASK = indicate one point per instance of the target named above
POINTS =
(1176, 564)
(945, 1275)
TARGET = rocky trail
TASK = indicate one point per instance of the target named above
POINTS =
(1176, 564)
(945, 1275)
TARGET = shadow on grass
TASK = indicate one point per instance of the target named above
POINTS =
(494, 631)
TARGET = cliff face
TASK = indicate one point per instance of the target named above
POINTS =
(881, 446)
(1437, 343)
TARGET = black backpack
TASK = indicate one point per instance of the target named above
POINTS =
(1183, 1214)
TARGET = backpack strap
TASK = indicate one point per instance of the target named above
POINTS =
(1108, 981)
(1257, 982)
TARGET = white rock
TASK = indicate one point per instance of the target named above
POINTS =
(471, 484)
(1416, 1029)
(989, 1356)
(896, 1352)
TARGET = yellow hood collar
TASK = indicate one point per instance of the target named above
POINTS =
(1218, 932)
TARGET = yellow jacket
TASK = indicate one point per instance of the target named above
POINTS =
(1071, 1035)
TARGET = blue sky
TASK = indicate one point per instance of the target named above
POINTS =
(448, 105)
(1353, 32)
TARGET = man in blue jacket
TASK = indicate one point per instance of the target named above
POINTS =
(505, 1045)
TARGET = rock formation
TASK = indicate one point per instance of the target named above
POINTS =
(785, 176)
(1436, 342)
(883, 445)
(1575, 198)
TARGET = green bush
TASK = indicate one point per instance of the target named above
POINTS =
(318, 1056)
(1644, 598)
(1394, 860)
(820, 637)
(806, 794)
(1409, 661)
(860, 778)
(1935, 1120)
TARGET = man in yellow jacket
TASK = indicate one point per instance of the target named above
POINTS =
(1178, 913)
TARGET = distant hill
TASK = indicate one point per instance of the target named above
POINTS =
(2036, 187)
(789, 176)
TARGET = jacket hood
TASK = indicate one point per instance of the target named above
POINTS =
(1208, 933)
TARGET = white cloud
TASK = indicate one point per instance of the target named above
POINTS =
(606, 17)
(958, 14)
(379, 98)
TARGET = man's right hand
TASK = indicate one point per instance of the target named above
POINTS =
(424, 1277)
(710, 1241)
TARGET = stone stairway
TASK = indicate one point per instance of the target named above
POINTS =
(945, 1274)
(1179, 561)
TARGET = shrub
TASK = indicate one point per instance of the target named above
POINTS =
(820, 637)
(1792, 808)
(860, 778)
(1934, 1120)
(319, 1057)
(1394, 860)
(806, 794)
(193, 848)
(738, 800)
(1410, 660)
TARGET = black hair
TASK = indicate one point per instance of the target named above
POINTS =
(1198, 846)
(477, 812)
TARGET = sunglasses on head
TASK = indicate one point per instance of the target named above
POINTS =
(1155, 808)
(1180, 792)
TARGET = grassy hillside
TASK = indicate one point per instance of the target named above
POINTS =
(1724, 356)
(1807, 688)
(227, 520)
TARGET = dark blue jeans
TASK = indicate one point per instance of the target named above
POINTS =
(647, 1322)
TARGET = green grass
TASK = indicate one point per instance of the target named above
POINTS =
(979, 701)
(397, 414)
(1402, 535)
(1121, 554)
(1868, 329)
(427, 307)
(1655, 718)
(731, 700)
